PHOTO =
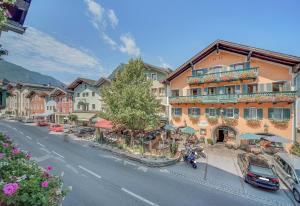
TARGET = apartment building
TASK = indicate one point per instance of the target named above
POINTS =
(228, 89)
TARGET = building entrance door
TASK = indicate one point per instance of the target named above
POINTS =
(221, 135)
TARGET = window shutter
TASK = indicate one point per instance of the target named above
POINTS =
(173, 111)
(236, 112)
(198, 111)
(286, 114)
(179, 111)
(246, 113)
(237, 89)
(261, 88)
(218, 111)
(246, 65)
(286, 86)
(199, 91)
(270, 113)
(260, 113)
(205, 70)
(180, 92)
(245, 89)
(193, 72)
(206, 111)
(225, 112)
(221, 90)
(269, 87)
(189, 111)
(206, 91)
(188, 92)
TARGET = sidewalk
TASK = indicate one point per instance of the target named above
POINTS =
(221, 171)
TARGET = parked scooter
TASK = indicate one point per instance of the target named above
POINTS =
(190, 157)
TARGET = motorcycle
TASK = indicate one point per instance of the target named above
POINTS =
(190, 157)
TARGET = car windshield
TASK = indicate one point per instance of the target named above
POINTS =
(261, 170)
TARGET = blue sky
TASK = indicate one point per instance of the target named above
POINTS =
(70, 38)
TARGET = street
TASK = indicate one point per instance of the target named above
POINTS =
(98, 178)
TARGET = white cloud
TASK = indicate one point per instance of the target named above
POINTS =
(38, 51)
(163, 63)
(96, 12)
(109, 40)
(129, 46)
(112, 18)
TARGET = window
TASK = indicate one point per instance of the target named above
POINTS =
(176, 111)
(279, 113)
(230, 113)
(83, 94)
(161, 92)
(216, 69)
(175, 93)
(78, 94)
(230, 89)
(87, 94)
(211, 112)
(153, 90)
(277, 86)
(93, 94)
(78, 106)
(194, 111)
(212, 90)
(93, 106)
(85, 86)
(195, 92)
(238, 66)
(154, 76)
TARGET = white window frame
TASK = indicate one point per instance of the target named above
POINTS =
(155, 76)
(212, 109)
(251, 110)
(193, 110)
(281, 114)
(232, 109)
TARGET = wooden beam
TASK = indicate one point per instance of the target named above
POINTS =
(296, 68)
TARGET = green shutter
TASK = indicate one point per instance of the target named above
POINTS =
(199, 91)
(173, 111)
(237, 89)
(221, 90)
(246, 113)
(190, 111)
(180, 111)
(286, 114)
(245, 89)
(206, 111)
(236, 113)
(225, 112)
(246, 65)
(218, 112)
(270, 113)
(260, 113)
(206, 91)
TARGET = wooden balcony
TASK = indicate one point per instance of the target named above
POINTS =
(234, 75)
(262, 97)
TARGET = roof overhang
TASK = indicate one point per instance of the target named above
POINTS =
(284, 59)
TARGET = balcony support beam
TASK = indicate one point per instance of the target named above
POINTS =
(249, 56)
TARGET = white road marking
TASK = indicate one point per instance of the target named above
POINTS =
(138, 197)
(164, 170)
(144, 169)
(89, 171)
(21, 132)
(42, 148)
(14, 128)
(40, 159)
(62, 173)
(58, 154)
(72, 168)
(29, 137)
(41, 144)
(129, 163)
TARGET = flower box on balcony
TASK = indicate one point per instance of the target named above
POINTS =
(212, 120)
(227, 77)
(183, 100)
(230, 121)
(285, 98)
(176, 116)
(280, 122)
(253, 122)
(247, 75)
(194, 116)
(209, 78)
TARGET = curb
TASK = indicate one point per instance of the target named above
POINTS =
(142, 160)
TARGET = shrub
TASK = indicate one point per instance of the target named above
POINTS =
(295, 150)
(23, 182)
(173, 149)
(210, 141)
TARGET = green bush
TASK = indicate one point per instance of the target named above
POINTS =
(23, 182)
(210, 141)
(295, 150)
(173, 148)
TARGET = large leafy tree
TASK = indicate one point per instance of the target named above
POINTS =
(129, 101)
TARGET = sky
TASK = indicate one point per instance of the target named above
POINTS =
(67, 39)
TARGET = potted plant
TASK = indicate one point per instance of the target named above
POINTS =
(212, 119)
(280, 122)
(253, 122)
(230, 121)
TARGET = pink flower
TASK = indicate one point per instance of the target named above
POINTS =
(16, 151)
(2, 154)
(10, 188)
(49, 168)
(5, 144)
(28, 156)
(45, 183)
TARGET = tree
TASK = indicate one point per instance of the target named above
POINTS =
(3, 17)
(129, 101)
(73, 118)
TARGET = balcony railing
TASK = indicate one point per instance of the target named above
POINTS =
(262, 97)
(227, 76)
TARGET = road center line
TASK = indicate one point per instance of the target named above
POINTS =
(138, 197)
(21, 132)
(29, 137)
(89, 171)
(41, 144)
(57, 154)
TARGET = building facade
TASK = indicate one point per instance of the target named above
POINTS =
(229, 89)
(63, 104)
(3, 95)
(37, 102)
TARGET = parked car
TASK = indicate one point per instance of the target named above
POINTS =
(257, 171)
(288, 171)
(70, 128)
(85, 131)
(56, 128)
(28, 120)
(42, 123)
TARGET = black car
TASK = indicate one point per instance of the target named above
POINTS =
(257, 171)
(85, 131)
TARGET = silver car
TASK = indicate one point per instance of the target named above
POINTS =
(287, 168)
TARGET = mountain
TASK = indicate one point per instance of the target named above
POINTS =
(15, 73)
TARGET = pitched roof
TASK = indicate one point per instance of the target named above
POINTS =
(80, 80)
(263, 54)
(102, 80)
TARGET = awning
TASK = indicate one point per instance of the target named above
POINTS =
(45, 114)
(104, 124)
(84, 117)
(249, 136)
(188, 130)
(276, 139)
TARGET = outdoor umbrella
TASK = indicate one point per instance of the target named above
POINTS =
(104, 124)
(249, 136)
(188, 130)
(276, 139)
(169, 127)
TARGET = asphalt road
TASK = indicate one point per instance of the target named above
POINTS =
(99, 178)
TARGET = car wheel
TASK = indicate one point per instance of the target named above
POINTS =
(296, 195)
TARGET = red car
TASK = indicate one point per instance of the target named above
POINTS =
(56, 128)
(42, 123)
